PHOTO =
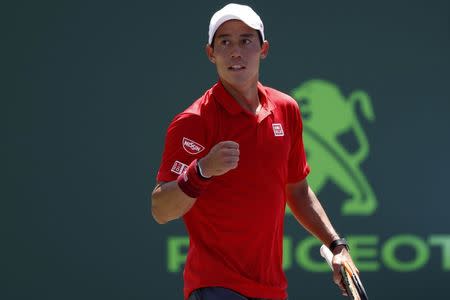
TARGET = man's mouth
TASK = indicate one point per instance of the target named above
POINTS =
(236, 67)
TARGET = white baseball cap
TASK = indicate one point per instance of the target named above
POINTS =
(234, 11)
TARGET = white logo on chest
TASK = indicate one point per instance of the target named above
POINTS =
(277, 129)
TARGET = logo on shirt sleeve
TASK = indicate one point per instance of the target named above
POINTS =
(178, 167)
(192, 147)
(277, 129)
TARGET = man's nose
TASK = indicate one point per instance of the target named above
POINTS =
(236, 51)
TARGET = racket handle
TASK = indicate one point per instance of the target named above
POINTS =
(326, 253)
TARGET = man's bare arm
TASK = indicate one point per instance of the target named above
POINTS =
(309, 212)
(169, 202)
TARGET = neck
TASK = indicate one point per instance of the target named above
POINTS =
(246, 96)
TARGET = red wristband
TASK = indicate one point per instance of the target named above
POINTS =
(190, 181)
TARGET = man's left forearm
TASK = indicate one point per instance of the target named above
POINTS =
(309, 212)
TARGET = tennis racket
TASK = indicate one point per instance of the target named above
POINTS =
(352, 282)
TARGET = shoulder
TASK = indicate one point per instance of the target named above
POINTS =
(201, 107)
(197, 114)
(281, 99)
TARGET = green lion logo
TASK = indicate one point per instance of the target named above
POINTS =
(327, 114)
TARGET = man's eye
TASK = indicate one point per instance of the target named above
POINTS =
(225, 42)
(246, 41)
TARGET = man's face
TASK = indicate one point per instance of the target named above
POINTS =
(237, 52)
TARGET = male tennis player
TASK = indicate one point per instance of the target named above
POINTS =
(231, 162)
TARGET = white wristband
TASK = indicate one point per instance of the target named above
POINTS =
(200, 170)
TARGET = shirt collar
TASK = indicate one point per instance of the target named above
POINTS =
(224, 98)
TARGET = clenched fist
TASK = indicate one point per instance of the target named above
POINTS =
(223, 157)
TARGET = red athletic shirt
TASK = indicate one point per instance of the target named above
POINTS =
(236, 225)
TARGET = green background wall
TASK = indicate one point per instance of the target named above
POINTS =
(89, 88)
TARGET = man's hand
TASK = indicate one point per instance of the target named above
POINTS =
(223, 157)
(341, 255)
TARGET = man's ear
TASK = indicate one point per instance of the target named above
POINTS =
(264, 49)
(210, 53)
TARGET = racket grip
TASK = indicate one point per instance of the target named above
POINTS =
(326, 253)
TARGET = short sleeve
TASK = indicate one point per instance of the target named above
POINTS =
(185, 141)
(298, 167)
